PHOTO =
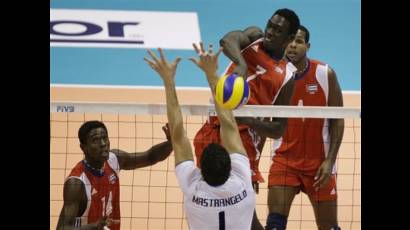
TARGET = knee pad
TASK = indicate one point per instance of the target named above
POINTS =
(276, 221)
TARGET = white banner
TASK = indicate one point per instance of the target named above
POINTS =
(126, 29)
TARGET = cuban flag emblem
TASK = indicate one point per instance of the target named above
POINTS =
(311, 88)
(112, 178)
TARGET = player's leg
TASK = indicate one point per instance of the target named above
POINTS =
(283, 185)
(324, 202)
(325, 214)
(280, 199)
(256, 224)
(250, 143)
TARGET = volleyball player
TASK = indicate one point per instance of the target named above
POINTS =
(220, 194)
(92, 190)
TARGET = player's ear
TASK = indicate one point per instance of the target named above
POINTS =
(308, 46)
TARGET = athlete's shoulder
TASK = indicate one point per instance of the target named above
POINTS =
(78, 169)
(255, 46)
(317, 62)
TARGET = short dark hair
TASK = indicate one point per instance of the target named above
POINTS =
(86, 127)
(291, 17)
(307, 34)
(215, 164)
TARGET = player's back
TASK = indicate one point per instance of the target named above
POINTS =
(228, 206)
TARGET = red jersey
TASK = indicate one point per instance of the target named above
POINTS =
(266, 77)
(103, 192)
(305, 143)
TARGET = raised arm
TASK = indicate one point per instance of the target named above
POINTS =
(158, 152)
(234, 41)
(180, 142)
(208, 62)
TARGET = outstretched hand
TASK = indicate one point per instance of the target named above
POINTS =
(208, 61)
(165, 69)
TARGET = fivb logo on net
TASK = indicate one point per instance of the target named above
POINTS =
(127, 29)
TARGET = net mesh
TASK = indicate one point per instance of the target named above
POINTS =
(151, 198)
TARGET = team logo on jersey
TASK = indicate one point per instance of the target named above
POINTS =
(311, 88)
(112, 178)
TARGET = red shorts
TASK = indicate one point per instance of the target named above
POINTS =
(209, 133)
(282, 175)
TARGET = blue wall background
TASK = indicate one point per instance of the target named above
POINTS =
(335, 27)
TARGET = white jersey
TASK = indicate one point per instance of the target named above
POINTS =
(228, 206)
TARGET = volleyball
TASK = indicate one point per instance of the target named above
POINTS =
(232, 91)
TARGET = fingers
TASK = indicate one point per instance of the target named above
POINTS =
(115, 221)
(177, 60)
(210, 49)
(201, 44)
(318, 173)
(324, 178)
(201, 50)
(153, 56)
(161, 55)
(219, 51)
(194, 60)
(317, 183)
(195, 48)
(150, 63)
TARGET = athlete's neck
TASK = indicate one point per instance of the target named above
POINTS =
(302, 64)
(95, 165)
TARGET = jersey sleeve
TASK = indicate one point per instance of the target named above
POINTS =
(187, 175)
(240, 167)
(113, 162)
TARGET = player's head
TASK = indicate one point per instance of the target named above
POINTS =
(94, 141)
(298, 48)
(215, 164)
(280, 29)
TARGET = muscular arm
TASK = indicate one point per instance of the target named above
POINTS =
(180, 142)
(74, 196)
(234, 41)
(130, 161)
(229, 132)
(275, 127)
(336, 126)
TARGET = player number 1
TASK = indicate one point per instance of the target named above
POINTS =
(221, 220)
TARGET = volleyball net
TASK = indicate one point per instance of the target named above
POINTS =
(151, 198)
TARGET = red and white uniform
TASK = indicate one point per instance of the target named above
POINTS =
(298, 154)
(266, 77)
(103, 192)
